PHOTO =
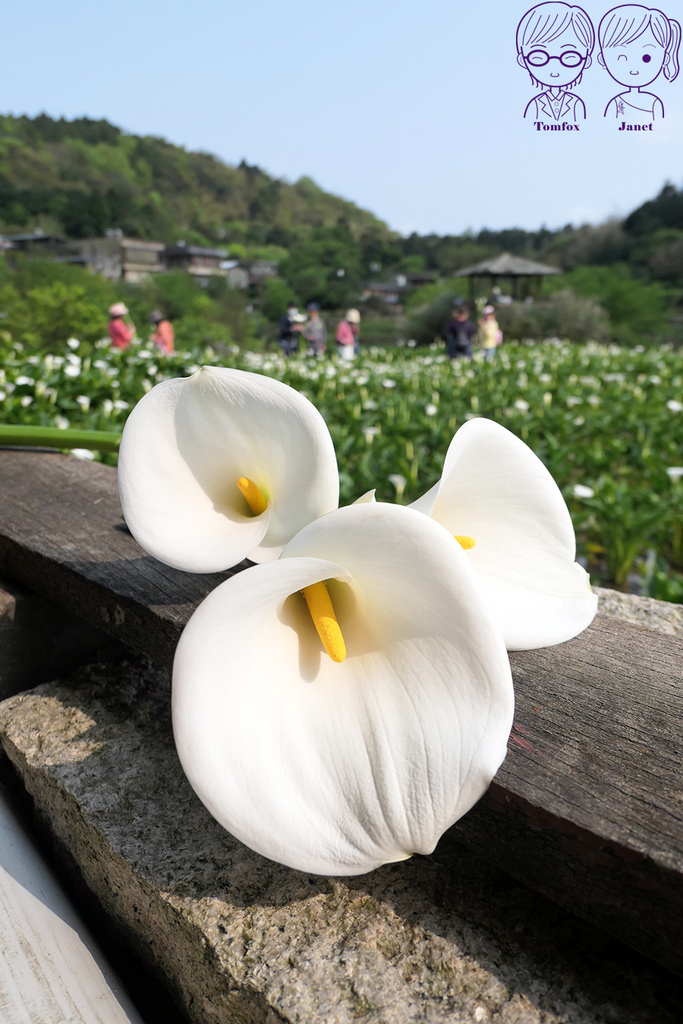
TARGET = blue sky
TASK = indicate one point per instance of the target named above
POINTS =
(411, 110)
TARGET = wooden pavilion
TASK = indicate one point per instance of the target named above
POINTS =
(525, 275)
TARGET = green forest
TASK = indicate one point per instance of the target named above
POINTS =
(622, 281)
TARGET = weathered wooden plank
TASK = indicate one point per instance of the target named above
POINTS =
(62, 535)
(588, 806)
(50, 967)
(39, 641)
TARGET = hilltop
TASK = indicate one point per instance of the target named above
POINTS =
(83, 177)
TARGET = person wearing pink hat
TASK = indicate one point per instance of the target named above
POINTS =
(121, 331)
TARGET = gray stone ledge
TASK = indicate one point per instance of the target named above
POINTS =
(663, 616)
(242, 940)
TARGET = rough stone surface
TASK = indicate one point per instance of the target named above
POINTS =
(242, 940)
(663, 616)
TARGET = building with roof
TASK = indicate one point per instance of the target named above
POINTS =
(119, 258)
(199, 261)
(525, 276)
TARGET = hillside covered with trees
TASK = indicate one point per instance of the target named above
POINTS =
(84, 177)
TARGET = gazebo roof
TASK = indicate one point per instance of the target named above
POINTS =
(507, 265)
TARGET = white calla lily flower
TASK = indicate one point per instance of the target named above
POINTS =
(339, 766)
(499, 499)
(224, 465)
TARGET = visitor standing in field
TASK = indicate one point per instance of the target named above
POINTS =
(290, 328)
(315, 331)
(490, 334)
(459, 333)
(164, 335)
(121, 331)
(348, 335)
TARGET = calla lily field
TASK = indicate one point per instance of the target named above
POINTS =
(344, 700)
(607, 423)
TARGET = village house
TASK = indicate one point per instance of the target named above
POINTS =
(119, 258)
(198, 261)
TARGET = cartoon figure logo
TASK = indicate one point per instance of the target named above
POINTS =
(636, 44)
(554, 44)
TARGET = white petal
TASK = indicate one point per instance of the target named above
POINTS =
(494, 489)
(338, 768)
(369, 497)
(186, 444)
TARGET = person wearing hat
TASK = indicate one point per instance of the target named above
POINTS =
(490, 333)
(290, 326)
(315, 331)
(347, 336)
(164, 336)
(121, 332)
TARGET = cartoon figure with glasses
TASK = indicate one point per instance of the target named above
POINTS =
(554, 44)
(636, 44)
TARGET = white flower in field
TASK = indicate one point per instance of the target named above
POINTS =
(370, 433)
(545, 378)
(501, 502)
(62, 423)
(348, 727)
(83, 401)
(121, 405)
(655, 379)
(223, 465)
(152, 370)
(24, 381)
(146, 384)
(431, 409)
(73, 343)
(370, 406)
(72, 371)
(674, 406)
(100, 364)
(144, 353)
(3, 396)
(593, 400)
(399, 483)
(579, 421)
(581, 491)
(522, 405)
(83, 453)
(573, 400)
(547, 398)
(107, 406)
(675, 472)
(388, 383)
(26, 400)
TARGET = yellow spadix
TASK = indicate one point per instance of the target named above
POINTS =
(253, 495)
(325, 621)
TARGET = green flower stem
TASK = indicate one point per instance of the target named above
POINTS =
(53, 437)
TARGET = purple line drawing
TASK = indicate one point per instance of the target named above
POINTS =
(554, 44)
(637, 44)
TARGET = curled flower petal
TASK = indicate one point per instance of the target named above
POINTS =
(189, 441)
(495, 490)
(338, 768)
